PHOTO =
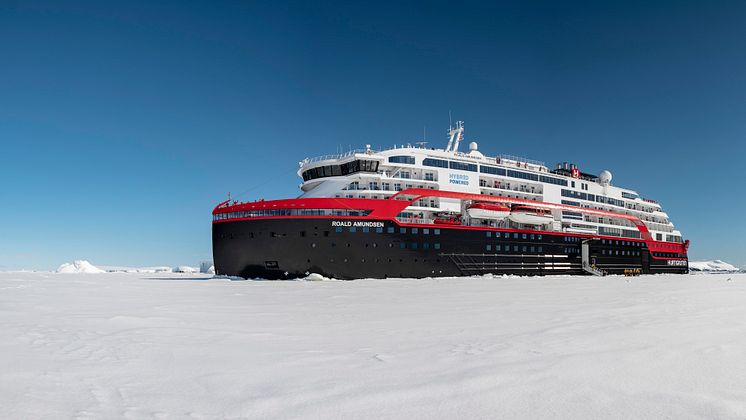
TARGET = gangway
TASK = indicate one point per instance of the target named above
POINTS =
(585, 256)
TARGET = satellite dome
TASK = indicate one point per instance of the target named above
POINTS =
(605, 177)
(473, 146)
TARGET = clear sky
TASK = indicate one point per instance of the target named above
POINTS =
(122, 124)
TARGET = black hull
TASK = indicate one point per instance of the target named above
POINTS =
(287, 248)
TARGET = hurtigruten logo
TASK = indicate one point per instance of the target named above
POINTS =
(340, 223)
(458, 179)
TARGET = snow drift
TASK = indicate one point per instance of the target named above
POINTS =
(716, 266)
(79, 266)
(560, 347)
(185, 269)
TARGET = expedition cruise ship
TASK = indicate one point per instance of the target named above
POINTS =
(412, 211)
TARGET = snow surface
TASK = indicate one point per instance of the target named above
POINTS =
(175, 346)
(716, 265)
(79, 266)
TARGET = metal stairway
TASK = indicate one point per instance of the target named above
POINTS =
(585, 256)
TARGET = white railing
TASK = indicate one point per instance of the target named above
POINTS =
(338, 155)
(521, 160)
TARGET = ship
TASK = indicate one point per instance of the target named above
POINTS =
(413, 211)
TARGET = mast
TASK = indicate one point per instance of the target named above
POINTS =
(456, 135)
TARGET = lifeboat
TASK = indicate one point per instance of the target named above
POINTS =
(531, 215)
(488, 211)
(447, 218)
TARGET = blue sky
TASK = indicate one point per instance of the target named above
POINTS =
(123, 123)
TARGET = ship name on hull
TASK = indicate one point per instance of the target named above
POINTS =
(337, 223)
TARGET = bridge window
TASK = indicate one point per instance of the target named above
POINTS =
(343, 169)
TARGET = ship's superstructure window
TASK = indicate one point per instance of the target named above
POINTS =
(491, 170)
(578, 195)
(609, 200)
(631, 196)
(523, 175)
(409, 160)
(673, 238)
(463, 166)
(438, 163)
(552, 180)
(572, 215)
(339, 170)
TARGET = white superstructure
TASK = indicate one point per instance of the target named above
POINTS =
(381, 174)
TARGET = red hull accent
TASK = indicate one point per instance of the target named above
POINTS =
(388, 209)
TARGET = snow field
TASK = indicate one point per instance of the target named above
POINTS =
(134, 345)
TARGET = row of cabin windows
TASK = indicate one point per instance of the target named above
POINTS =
(521, 175)
(464, 166)
(390, 229)
(402, 245)
(378, 260)
(625, 233)
(622, 252)
(514, 248)
(516, 235)
(622, 243)
(416, 245)
(592, 197)
(668, 255)
(442, 163)
(569, 250)
(289, 212)
(572, 215)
